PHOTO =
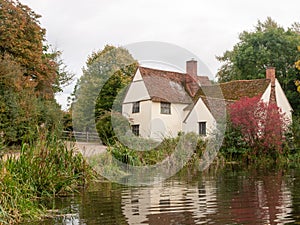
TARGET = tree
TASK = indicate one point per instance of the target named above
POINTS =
(262, 125)
(22, 39)
(268, 45)
(30, 75)
(107, 72)
(297, 64)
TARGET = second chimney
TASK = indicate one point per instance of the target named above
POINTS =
(191, 67)
(270, 74)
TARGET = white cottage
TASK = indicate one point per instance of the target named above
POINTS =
(162, 103)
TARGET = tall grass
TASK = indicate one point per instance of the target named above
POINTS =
(44, 169)
(150, 157)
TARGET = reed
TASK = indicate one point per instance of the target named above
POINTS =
(44, 169)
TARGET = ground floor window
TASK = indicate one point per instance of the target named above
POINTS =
(135, 129)
(202, 128)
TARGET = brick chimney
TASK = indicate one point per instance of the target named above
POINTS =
(191, 80)
(191, 67)
(270, 74)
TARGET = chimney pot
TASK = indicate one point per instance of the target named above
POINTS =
(270, 74)
(191, 67)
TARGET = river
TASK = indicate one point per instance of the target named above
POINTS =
(233, 194)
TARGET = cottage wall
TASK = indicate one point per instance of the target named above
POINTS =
(137, 90)
(166, 125)
(282, 101)
(143, 118)
(199, 113)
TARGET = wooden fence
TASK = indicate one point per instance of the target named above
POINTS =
(80, 136)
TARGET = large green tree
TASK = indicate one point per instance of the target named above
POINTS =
(30, 75)
(106, 73)
(268, 45)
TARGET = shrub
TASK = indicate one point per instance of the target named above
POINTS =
(234, 146)
(262, 125)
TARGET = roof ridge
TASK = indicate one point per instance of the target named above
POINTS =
(234, 81)
(161, 70)
(205, 96)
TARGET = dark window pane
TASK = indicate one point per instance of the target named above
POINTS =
(202, 128)
(136, 107)
(135, 130)
(165, 108)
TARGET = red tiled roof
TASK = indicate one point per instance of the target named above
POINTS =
(218, 97)
(171, 86)
(178, 87)
(165, 86)
(234, 90)
(204, 80)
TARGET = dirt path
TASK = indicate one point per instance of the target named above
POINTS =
(88, 149)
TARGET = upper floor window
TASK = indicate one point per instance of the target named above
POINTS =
(202, 128)
(165, 108)
(136, 107)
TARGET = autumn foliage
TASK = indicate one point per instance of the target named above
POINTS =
(262, 125)
(30, 75)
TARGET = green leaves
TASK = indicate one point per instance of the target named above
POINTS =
(22, 39)
(107, 72)
(268, 45)
(30, 75)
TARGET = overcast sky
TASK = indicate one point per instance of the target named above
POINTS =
(206, 28)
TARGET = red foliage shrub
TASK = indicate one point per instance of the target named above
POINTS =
(262, 125)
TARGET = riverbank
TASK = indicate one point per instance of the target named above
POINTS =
(233, 151)
(42, 171)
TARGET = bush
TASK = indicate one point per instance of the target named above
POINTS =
(124, 154)
(234, 146)
(151, 152)
(293, 136)
(262, 125)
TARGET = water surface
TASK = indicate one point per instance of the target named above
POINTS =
(231, 195)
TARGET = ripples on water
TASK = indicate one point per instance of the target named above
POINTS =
(227, 196)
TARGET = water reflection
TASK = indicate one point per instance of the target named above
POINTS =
(228, 196)
(172, 202)
(265, 199)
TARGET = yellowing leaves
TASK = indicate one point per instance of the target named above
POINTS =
(297, 83)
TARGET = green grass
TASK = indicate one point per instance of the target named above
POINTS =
(44, 169)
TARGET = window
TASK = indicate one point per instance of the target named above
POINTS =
(135, 129)
(165, 108)
(202, 128)
(136, 107)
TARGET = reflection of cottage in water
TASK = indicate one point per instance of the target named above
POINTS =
(159, 205)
